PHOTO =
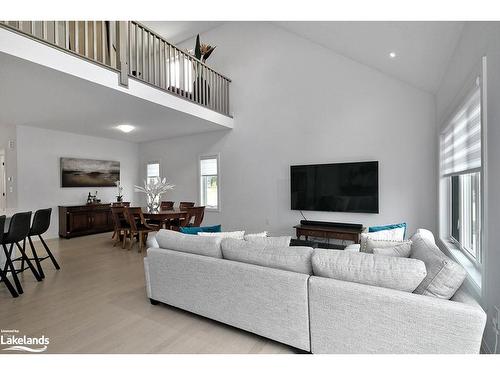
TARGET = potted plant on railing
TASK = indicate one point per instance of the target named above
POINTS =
(202, 52)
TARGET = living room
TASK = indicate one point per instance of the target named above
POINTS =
(331, 98)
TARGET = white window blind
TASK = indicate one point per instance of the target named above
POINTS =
(461, 139)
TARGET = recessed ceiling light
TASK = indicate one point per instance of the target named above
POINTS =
(125, 128)
(392, 55)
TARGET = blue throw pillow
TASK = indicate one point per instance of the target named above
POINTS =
(387, 227)
(196, 230)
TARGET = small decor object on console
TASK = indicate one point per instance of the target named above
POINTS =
(154, 189)
(119, 196)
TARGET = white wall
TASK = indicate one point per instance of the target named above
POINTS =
(296, 102)
(482, 39)
(8, 133)
(39, 181)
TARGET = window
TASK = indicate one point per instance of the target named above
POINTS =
(466, 212)
(153, 171)
(461, 170)
(209, 182)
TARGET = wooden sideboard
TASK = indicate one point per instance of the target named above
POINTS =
(347, 234)
(83, 220)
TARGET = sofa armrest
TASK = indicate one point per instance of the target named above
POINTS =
(348, 317)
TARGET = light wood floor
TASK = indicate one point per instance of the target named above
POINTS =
(97, 303)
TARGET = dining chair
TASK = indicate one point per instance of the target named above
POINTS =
(40, 225)
(184, 205)
(195, 214)
(119, 204)
(19, 229)
(120, 225)
(166, 205)
(3, 276)
(138, 226)
(176, 223)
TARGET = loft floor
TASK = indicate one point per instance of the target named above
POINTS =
(97, 303)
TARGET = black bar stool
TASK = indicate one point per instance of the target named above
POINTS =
(19, 229)
(3, 276)
(40, 225)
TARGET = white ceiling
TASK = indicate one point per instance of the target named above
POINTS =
(34, 95)
(177, 32)
(423, 49)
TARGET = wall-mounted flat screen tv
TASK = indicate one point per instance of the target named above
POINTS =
(341, 187)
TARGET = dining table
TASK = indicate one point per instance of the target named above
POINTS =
(162, 215)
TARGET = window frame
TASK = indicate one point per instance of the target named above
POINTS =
(478, 260)
(200, 190)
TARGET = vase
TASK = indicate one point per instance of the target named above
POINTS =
(153, 204)
(200, 86)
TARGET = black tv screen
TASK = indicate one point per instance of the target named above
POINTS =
(341, 187)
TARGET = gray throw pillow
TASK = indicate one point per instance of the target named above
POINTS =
(444, 276)
(401, 251)
(187, 243)
(369, 244)
(387, 272)
(288, 258)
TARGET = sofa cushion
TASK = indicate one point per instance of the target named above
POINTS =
(196, 230)
(289, 258)
(402, 251)
(444, 276)
(283, 241)
(186, 243)
(151, 240)
(387, 272)
(261, 234)
(381, 228)
(239, 234)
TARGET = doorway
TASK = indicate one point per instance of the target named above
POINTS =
(3, 183)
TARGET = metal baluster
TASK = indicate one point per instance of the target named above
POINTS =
(103, 43)
(130, 54)
(195, 80)
(77, 37)
(153, 44)
(86, 36)
(136, 50)
(169, 66)
(143, 54)
(177, 77)
(66, 33)
(94, 35)
(56, 33)
(219, 95)
(227, 98)
(45, 34)
(148, 57)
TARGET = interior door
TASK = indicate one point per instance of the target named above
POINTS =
(3, 184)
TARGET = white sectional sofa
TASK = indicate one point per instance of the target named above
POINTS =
(278, 294)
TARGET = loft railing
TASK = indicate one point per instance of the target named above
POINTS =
(154, 60)
(136, 52)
